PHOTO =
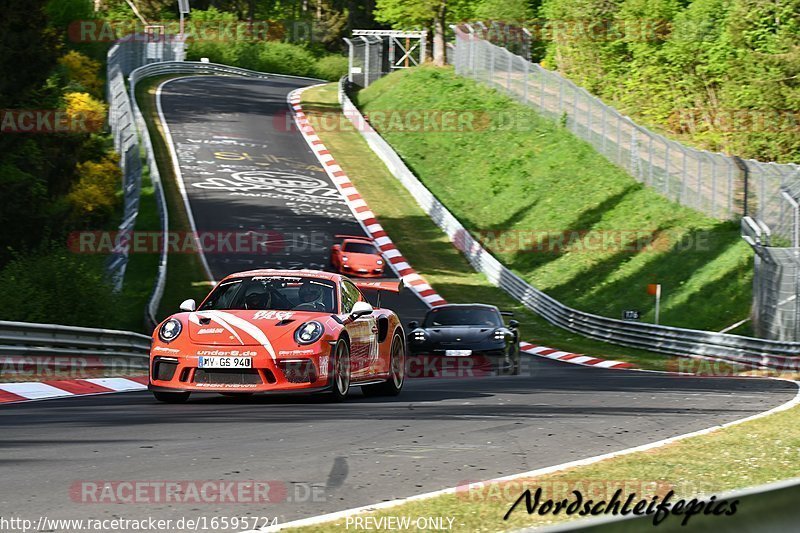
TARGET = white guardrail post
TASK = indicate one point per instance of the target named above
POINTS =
(663, 339)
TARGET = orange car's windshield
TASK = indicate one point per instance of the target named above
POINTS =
(279, 293)
(359, 248)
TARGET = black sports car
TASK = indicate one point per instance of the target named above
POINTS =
(468, 330)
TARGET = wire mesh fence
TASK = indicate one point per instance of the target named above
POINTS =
(721, 186)
(712, 183)
(375, 53)
(124, 57)
(775, 292)
(366, 60)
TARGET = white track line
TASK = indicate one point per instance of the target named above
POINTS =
(314, 520)
(176, 166)
(329, 517)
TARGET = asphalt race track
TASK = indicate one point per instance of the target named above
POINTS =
(248, 171)
(326, 457)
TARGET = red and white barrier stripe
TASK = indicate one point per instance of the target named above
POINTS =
(573, 358)
(45, 390)
(412, 279)
(360, 209)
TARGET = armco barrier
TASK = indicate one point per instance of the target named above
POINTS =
(167, 68)
(664, 339)
(29, 340)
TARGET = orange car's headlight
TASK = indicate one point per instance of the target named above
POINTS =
(170, 330)
(309, 333)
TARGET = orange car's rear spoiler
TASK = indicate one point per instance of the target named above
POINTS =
(389, 286)
(357, 237)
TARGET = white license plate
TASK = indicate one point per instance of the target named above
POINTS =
(457, 353)
(225, 362)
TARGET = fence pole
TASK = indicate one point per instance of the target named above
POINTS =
(542, 87)
(713, 187)
(667, 176)
(366, 61)
(683, 176)
(526, 66)
(470, 48)
(604, 119)
(575, 111)
(589, 103)
(350, 57)
(510, 62)
(491, 65)
(699, 191)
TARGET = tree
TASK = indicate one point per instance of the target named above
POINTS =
(27, 41)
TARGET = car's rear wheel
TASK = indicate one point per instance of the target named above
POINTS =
(340, 373)
(171, 397)
(397, 372)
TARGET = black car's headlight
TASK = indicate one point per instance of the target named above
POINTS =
(309, 332)
(170, 330)
(418, 335)
(499, 334)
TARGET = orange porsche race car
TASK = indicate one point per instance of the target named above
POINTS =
(280, 331)
(357, 256)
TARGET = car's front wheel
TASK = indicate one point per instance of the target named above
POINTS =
(171, 397)
(340, 373)
(397, 372)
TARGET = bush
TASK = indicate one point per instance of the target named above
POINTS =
(285, 58)
(331, 67)
(54, 285)
(84, 109)
(94, 197)
(270, 56)
(83, 72)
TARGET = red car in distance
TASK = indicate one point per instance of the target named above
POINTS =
(357, 257)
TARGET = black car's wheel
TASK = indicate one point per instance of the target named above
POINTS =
(171, 397)
(397, 372)
(340, 371)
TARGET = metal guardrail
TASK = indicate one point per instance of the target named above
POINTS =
(664, 339)
(29, 339)
(125, 56)
(765, 508)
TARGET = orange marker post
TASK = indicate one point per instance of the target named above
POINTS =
(654, 289)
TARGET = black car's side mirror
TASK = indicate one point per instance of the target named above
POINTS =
(413, 324)
(513, 324)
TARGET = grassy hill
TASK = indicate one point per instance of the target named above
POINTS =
(555, 211)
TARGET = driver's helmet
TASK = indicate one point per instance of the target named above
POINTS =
(309, 292)
(257, 297)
